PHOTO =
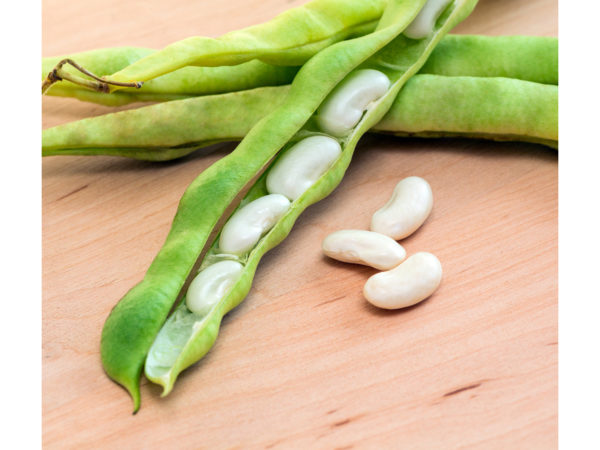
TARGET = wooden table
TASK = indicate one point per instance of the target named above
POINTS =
(305, 361)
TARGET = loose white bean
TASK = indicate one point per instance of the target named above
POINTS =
(406, 210)
(411, 282)
(211, 285)
(302, 165)
(364, 247)
(423, 24)
(243, 230)
(344, 107)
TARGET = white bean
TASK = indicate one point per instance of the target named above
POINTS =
(423, 24)
(364, 247)
(211, 285)
(406, 210)
(411, 282)
(344, 107)
(246, 226)
(302, 165)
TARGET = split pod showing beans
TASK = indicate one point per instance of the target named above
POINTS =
(132, 332)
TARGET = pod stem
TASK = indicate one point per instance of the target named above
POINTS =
(96, 84)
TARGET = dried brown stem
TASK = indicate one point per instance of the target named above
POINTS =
(96, 84)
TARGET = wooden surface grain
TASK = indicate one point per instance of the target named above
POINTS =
(305, 361)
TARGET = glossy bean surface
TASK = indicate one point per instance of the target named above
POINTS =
(364, 247)
(406, 285)
(243, 230)
(345, 106)
(406, 210)
(302, 165)
(211, 285)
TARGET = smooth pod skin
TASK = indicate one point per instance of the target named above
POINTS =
(246, 226)
(210, 195)
(302, 165)
(423, 23)
(364, 247)
(411, 282)
(345, 106)
(406, 210)
(211, 285)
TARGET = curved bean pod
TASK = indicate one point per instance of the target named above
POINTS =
(207, 199)
(531, 58)
(427, 106)
(201, 335)
(289, 39)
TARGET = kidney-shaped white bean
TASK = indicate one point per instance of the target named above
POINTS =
(406, 210)
(246, 226)
(211, 285)
(364, 247)
(423, 24)
(302, 165)
(411, 282)
(345, 106)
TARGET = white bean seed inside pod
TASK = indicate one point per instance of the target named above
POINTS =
(344, 107)
(423, 24)
(211, 285)
(302, 165)
(249, 223)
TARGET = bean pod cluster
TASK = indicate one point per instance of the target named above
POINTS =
(299, 92)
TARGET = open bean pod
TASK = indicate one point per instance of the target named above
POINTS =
(132, 326)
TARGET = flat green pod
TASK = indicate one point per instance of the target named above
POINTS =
(531, 58)
(289, 39)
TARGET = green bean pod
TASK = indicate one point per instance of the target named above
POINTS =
(183, 83)
(488, 108)
(135, 321)
(289, 39)
(531, 58)
(427, 106)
